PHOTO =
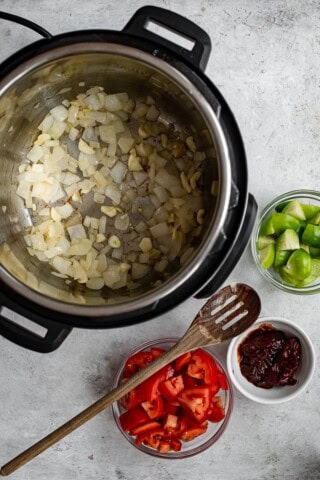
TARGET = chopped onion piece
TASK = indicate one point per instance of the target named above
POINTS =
(85, 148)
(65, 211)
(146, 244)
(98, 198)
(114, 193)
(95, 283)
(61, 264)
(113, 103)
(152, 114)
(82, 247)
(122, 222)
(139, 270)
(46, 124)
(112, 275)
(107, 134)
(57, 129)
(35, 153)
(125, 144)
(134, 164)
(59, 113)
(77, 232)
(140, 177)
(160, 230)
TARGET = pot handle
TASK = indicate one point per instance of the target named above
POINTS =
(236, 252)
(26, 23)
(198, 55)
(54, 336)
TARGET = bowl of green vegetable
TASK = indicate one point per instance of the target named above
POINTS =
(286, 242)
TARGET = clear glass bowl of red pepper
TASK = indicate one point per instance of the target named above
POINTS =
(180, 411)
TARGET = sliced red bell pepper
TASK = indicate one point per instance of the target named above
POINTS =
(130, 400)
(151, 438)
(203, 367)
(157, 352)
(171, 387)
(164, 446)
(149, 389)
(132, 418)
(196, 402)
(222, 381)
(154, 408)
(138, 361)
(182, 361)
(214, 388)
(216, 410)
(171, 407)
(171, 423)
(145, 428)
(180, 428)
(190, 382)
(175, 444)
(193, 432)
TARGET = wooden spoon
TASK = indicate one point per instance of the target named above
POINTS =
(227, 314)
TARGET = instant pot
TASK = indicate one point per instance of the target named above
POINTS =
(135, 60)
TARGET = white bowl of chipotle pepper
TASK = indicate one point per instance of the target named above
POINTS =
(272, 362)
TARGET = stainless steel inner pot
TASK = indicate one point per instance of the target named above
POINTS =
(29, 92)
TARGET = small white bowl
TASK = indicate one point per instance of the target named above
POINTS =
(275, 394)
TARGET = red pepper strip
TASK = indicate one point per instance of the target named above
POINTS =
(203, 367)
(171, 407)
(175, 445)
(193, 432)
(214, 388)
(216, 410)
(190, 382)
(154, 408)
(196, 402)
(171, 423)
(170, 388)
(130, 400)
(182, 361)
(146, 427)
(149, 389)
(132, 418)
(138, 361)
(223, 381)
(181, 427)
(164, 446)
(152, 438)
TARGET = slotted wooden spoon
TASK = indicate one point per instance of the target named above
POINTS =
(227, 314)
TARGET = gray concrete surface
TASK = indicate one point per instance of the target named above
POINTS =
(265, 60)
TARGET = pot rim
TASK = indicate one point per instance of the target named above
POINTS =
(224, 168)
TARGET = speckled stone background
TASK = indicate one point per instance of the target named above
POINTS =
(265, 60)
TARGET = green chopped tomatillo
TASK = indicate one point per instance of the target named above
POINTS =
(289, 242)
(267, 255)
(311, 235)
(299, 265)
(283, 221)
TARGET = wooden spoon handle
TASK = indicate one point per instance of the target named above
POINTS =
(94, 409)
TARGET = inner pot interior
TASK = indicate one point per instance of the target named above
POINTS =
(25, 101)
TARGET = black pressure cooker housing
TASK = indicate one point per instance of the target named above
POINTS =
(242, 209)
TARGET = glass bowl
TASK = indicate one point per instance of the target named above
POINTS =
(304, 196)
(197, 445)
